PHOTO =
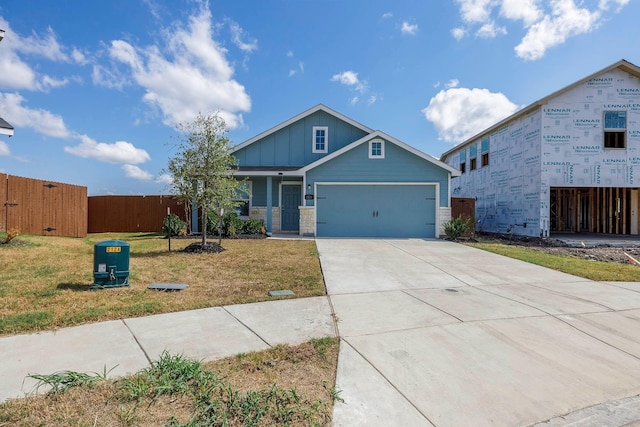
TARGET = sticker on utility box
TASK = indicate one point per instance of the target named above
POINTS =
(111, 249)
(102, 268)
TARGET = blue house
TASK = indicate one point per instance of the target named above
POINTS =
(323, 174)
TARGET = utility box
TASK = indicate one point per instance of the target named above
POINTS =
(110, 264)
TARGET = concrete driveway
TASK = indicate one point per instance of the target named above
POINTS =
(436, 333)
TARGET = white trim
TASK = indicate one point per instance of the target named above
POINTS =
(376, 140)
(5, 131)
(314, 140)
(350, 183)
(319, 107)
(388, 138)
(274, 174)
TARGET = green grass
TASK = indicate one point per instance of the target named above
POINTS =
(281, 386)
(45, 280)
(593, 270)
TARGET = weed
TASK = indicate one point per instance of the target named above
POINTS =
(12, 233)
(321, 345)
(59, 382)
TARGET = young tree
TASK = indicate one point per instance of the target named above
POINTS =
(202, 169)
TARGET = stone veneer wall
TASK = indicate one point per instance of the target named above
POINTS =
(445, 216)
(307, 220)
(260, 212)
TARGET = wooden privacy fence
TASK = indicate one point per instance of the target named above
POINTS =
(129, 214)
(46, 208)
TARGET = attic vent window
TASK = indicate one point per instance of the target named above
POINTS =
(376, 149)
(615, 129)
(320, 139)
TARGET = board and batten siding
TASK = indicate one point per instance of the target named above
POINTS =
(292, 145)
(398, 165)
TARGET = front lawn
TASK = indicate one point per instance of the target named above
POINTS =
(45, 281)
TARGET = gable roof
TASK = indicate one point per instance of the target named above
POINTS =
(380, 134)
(310, 111)
(622, 65)
(5, 127)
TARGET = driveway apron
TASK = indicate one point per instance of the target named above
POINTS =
(435, 333)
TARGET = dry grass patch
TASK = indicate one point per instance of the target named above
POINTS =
(280, 386)
(45, 280)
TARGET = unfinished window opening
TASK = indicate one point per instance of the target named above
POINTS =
(463, 167)
(473, 164)
(485, 159)
(615, 129)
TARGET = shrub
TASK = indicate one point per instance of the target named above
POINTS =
(12, 233)
(231, 224)
(213, 220)
(253, 226)
(457, 227)
(174, 226)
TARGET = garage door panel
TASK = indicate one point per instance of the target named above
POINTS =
(376, 211)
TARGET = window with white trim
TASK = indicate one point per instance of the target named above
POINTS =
(615, 129)
(376, 149)
(320, 139)
(244, 198)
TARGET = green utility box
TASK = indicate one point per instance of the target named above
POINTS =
(110, 264)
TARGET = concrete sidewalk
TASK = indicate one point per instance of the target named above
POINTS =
(128, 345)
(437, 333)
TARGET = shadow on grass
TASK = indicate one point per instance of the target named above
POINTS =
(76, 287)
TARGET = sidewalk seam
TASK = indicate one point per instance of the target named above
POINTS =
(388, 382)
(136, 340)
(246, 326)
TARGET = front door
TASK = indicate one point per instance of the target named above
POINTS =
(290, 202)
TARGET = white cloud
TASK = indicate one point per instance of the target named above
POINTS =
(119, 152)
(476, 10)
(15, 73)
(566, 20)
(548, 23)
(354, 100)
(131, 171)
(191, 74)
(290, 54)
(458, 33)
(350, 78)
(164, 179)
(460, 113)
(237, 36)
(410, 29)
(292, 73)
(4, 149)
(452, 83)
(372, 99)
(42, 121)
(387, 15)
(489, 30)
(526, 10)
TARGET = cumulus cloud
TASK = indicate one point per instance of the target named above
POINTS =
(489, 30)
(131, 171)
(458, 33)
(187, 75)
(565, 20)
(4, 149)
(547, 23)
(15, 73)
(121, 152)
(409, 29)
(350, 78)
(460, 113)
(41, 121)
(164, 179)
(526, 10)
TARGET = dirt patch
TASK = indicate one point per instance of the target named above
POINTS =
(606, 253)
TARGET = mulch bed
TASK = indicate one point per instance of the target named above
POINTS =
(199, 248)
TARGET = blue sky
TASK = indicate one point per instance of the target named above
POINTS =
(94, 88)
